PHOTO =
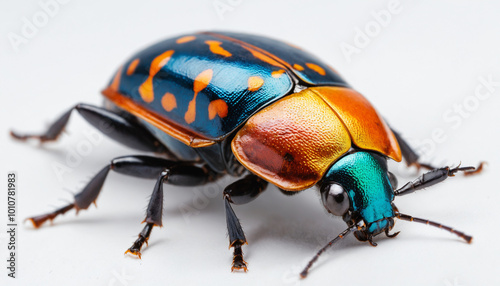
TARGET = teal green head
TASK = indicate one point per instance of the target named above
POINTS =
(359, 188)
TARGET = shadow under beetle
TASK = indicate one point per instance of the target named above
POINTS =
(212, 104)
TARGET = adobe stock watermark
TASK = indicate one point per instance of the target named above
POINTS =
(75, 155)
(224, 6)
(455, 282)
(122, 277)
(30, 27)
(364, 36)
(292, 275)
(458, 113)
(201, 200)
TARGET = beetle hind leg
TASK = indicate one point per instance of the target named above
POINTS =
(51, 134)
(82, 200)
(37, 221)
(120, 128)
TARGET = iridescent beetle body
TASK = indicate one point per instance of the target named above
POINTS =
(219, 103)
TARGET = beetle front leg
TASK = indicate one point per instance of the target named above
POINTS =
(431, 178)
(412, 158)
(240, 192)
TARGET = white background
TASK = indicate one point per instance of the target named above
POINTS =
(416, 68)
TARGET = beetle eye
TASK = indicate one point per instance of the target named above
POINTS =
(335, 199)
(393, 180)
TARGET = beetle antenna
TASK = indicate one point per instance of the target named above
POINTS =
(304, 272)
(466, 237)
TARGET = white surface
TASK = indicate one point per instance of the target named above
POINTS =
(426, 60)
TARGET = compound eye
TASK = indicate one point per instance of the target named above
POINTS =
(393, 180)
(335, 199)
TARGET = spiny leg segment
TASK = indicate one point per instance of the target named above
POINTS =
(240, 192)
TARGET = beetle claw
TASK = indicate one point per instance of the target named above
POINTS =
(391, 235)
(239, 264)
(477, 170)
(134, 252)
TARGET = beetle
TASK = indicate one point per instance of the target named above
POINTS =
(212, 104)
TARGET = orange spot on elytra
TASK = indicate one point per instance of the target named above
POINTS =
(277, 74)
(254, 83)
(316, 68)
(217, 107)
(263, 57)
(298, 67)
(159, 62)
(146, 89)
(168, 101)
(133, 65)
(191, 112)
(200, 82)
(185, 39)
(163, 123)
(115, 84)
(217, 49)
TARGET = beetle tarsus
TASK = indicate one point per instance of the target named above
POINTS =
(372, 243)
(37, 221)
(17, 136)
(134, 252)
(238, 262)
(476, 170)
(41, 138)
(135, 249)
(52, 133)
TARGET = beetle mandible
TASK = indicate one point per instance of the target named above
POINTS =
(212, 104)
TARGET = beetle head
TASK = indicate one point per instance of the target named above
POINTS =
(359, 188)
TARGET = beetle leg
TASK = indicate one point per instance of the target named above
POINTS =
(177, 174)
(391, 235)
(430, 178)
(153, 215)
(124, 130)
(240, 192)
(411, 157)
(183, 173)
(82, 200)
